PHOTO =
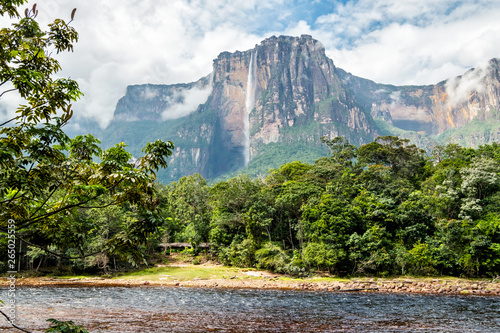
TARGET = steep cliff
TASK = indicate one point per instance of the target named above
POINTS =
(272, 104)
(283, 94)
(284, 90)
(169, 112)
(433, 109)
(161, 102)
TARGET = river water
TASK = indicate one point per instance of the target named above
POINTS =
(162, 309)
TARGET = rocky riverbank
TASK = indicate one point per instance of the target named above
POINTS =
(451, 286)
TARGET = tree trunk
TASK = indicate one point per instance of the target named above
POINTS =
(20, 255)
(59, 263)
(40, 263)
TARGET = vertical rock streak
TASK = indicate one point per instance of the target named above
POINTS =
(249, 104)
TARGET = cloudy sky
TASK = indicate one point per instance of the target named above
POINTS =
(124, 42)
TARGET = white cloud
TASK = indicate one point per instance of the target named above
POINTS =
(149, 93)
(395, 97)
(191, 99)
(104, 86)
(136, 42)
(459, 89)
(412, 42)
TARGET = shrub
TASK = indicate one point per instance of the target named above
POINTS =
(272, 257)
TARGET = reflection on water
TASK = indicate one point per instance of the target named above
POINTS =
(156, 309)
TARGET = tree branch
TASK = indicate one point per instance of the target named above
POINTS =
(78, 204)
(47, 199)
(4, 82)
(59, 255)
(41, 217)
(14, 325)
(8, 121)
(49, 196)
(101, 206)
(13, 198)
(6, 91)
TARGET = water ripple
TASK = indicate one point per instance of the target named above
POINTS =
(157, 309)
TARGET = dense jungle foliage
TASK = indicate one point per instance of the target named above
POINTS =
(385, 208)
(381, 209)
(51, 184)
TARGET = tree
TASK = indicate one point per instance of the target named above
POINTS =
(289, 207)
(187, 203)
(231, 201)
(368, 252)
(330, 220)
(341, 150)
(46, 177)
(404, 159)
(323, 256)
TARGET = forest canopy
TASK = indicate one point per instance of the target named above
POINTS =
(385, 208)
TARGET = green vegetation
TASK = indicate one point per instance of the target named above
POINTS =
(385, 208)
(64, 327)
(424, 141)
(58, 195)
(181, 129)
(381, 209)
(275, 154)
(183, 273)
(487, 131)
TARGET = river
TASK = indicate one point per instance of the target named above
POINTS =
(160, 309)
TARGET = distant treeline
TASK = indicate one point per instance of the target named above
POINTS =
(385, 208)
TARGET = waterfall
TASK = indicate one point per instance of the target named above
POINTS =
(249, 104)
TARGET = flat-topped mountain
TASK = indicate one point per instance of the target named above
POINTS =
(272, 104)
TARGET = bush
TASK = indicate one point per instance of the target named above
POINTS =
(65, 327)
(322, 256)
(272, 257)
(421, 260)
(239, 253)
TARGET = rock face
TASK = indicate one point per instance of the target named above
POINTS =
(433, 109)
(284, 95)
(157, 102)
(273, 93)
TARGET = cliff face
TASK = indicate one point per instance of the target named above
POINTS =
(273, 93)
(282, 96)
(433, 109)
(161, 102)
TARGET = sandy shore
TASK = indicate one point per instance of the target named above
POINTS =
(269, 281)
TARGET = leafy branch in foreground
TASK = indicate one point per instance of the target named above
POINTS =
(65, 327)
(46, 178)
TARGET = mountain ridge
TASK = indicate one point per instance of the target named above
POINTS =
(280, 98)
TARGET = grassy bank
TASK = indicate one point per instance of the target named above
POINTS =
(181, 273)
(188, 275)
